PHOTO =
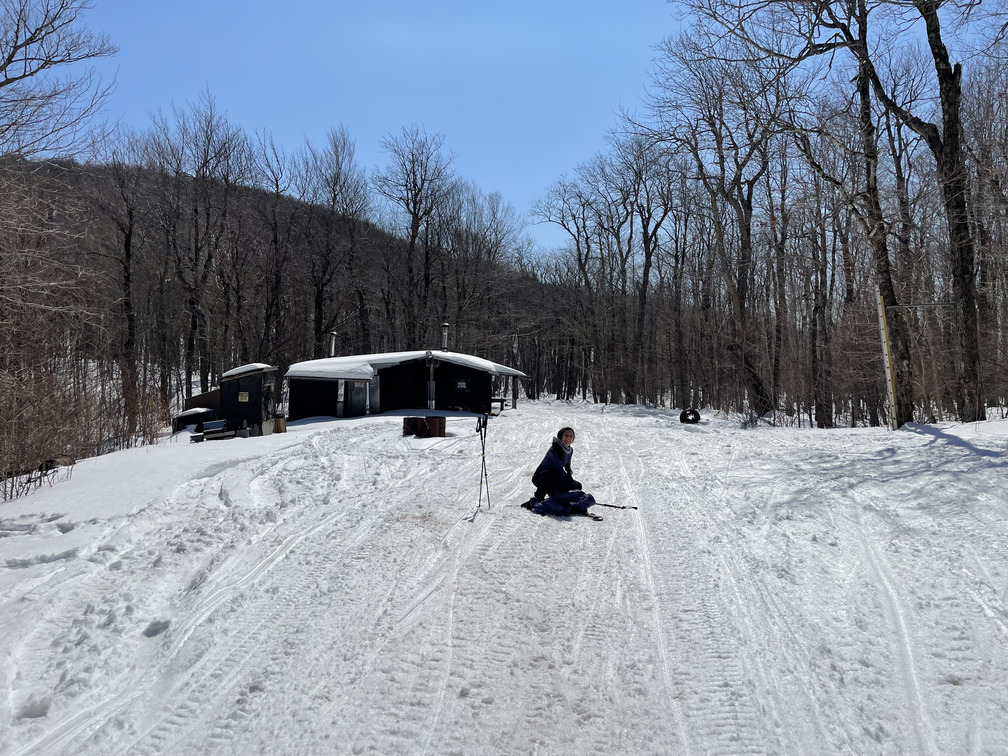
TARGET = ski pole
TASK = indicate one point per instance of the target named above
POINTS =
(615, 506)
(481, 428)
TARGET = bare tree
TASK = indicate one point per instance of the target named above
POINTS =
(798, 30)
(985, 106)
(338, 191)
(653, 176)
(721, 113)
(414, 182)
(612, 191)
(575, 206)
(196, 159)
(44, 291)
(568, 204)
(45, 306)
(119, 197)
(479, 232)
(41, 112)
(268, 231)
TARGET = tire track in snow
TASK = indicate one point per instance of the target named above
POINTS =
(485, 653)
(593, 625)
(323, 561)
(922, 727)
(435, 718)
(424, 601)
(776, 657)
(548, 677)
(937, 597)
(95, 716)
(718, 697)
(410, 697)
(772, 545)
(200, 690)
(943, 652)
(802, 548)
(986, 593)
(755, 626)
(410, 684)
(485, 602)
(657, 601)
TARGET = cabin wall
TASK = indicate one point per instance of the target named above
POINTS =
(313, 397)
(404, 386)
(462, 388)
(247, 399)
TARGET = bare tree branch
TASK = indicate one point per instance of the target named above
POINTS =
(42, 112)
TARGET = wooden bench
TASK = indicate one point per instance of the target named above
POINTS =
(502, 400)
(213, 430)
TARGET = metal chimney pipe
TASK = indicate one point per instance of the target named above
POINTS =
(444, 337)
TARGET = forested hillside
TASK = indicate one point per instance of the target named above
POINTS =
(727, 246)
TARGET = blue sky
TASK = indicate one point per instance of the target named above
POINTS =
(522, 91)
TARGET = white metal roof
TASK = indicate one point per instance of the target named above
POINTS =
(364, 367)
(252, 367)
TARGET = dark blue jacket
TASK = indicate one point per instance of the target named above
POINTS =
(565, 504)
(554, 472)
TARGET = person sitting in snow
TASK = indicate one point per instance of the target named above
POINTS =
(553, 476)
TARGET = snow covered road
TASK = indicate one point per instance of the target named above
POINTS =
(336, 590)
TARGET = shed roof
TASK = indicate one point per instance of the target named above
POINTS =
(252, 367)
(364, 367)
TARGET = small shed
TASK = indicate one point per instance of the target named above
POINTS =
(247, 398)
(197, 410)
(419, 380)
(194, 416)
(210, 401)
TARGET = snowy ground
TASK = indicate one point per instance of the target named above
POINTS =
(335, 590)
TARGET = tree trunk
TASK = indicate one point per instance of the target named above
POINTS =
(899, 336)
(128, 362)
(318, 322)
(952, 171)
